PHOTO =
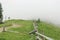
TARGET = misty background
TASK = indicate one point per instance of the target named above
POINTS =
(46, 10)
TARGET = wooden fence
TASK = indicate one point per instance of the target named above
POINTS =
(39, 36)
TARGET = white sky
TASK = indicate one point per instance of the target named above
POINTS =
(48, 10)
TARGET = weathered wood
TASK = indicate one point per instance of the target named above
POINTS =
(4, 29)
(32, 32)
(42, 32)
(44, 36)
(36, 29)
(39, 36)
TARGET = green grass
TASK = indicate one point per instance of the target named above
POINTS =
(15, 36)
(49, 30)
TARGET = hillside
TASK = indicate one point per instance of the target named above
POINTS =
(23, 27)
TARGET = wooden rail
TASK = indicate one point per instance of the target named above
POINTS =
(39, 36)
(47, 38)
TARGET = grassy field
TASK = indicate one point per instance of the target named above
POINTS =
(24, 29)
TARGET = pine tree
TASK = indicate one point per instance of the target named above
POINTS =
(38, 21)
(1, 16)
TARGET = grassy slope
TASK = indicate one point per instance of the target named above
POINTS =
(24, 31)
(49, 30)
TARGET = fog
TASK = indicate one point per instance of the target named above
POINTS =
(46, 10)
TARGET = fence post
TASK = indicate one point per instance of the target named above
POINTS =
(4, 29)
(43, 34)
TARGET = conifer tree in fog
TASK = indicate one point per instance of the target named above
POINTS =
(38, 21)
(1, 16)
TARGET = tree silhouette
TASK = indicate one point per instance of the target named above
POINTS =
(38, 21)
(1, 16)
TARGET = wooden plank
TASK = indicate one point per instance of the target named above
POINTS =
(38, 35)
(44, 36)
(38, 38)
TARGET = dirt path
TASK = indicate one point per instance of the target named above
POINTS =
(13, 26)
(1, 29)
